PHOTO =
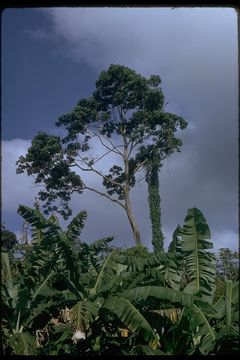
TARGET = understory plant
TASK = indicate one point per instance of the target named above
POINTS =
(64, 296)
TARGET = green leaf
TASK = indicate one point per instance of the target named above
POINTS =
(76, 225)
(82, 314)
(99, 245)
(235, 292)
(159, 292)
(228, 302)
(132, 318)
(106, 275)
(199, 263)
(173, 314)
(43, 289)
(38, 221)
(23, 344)
(204, 336)
(7, 270)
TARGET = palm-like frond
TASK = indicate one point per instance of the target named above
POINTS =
(54, 239)
(199, 263)
(175, 246)
(139, 263)
(99, 245)
(37, 220)
(204, 336)
(132, 318)
(235, 292)
(6, 271)
(227, 306)
(76, 225)
(173, 314)
(172, 272)
(106, 275)
(82, 314)
(228, 302)
(173, 268)
(23, 343)
(159, 292)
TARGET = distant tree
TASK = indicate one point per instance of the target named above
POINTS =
(8, 239)
(126, 117)
(227, 264)
(227, 269)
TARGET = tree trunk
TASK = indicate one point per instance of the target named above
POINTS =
(154, 205)
(130, 216)
(132, 221)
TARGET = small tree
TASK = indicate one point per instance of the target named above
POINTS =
(124, 116)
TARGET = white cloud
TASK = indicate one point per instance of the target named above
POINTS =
(16, 189)
(104, 218)
(143, 37)
(225, 239)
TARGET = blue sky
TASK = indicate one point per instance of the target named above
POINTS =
(51, 57)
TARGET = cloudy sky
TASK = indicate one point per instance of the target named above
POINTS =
(51, 57)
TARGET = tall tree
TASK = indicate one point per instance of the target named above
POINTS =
(154, 200)
(124, 118)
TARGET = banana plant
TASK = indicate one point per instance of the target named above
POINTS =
(33, 298)
(71, 299)
(200, 264)
(227, 317)
(173, 270)
(86, 303)
(18, 306)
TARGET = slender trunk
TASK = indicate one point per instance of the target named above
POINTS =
(134, 226)
(154, 205)
(132, 221)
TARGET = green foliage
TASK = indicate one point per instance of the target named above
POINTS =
(23, 343)
(45, 159)
(140, 252)
(227, 265)
(125, 114)
(154, 204)
(199, 262)
(8, 239)
(132, 318)
(91, 299)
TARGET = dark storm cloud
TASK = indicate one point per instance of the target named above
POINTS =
(195, 53)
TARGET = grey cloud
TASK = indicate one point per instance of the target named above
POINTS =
(16, 189)
(195, 53)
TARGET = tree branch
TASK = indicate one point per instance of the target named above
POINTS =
(137, 142)
(90, 168)
(104, 195)
(113, 149)
(98, 159)
(138, 167)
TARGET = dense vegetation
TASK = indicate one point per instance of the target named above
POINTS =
(63, 296)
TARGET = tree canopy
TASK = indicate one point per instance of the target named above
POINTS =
(125, 116)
